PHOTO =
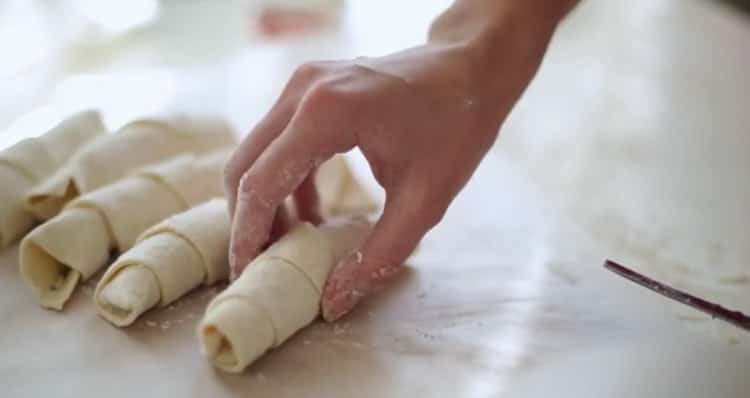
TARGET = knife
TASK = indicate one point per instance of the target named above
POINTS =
(736, 318)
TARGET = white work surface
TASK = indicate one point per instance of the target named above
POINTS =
(632, 144)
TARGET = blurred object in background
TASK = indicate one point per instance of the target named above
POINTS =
(281, 18)
(117, 17)
(31, 32)
(742, 5)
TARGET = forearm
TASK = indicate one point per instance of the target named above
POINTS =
(499, 38)
(467, 21)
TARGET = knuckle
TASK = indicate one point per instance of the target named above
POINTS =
(431, 205)
(431, 215)
(307, 72)
(324, 94)
(354, 70)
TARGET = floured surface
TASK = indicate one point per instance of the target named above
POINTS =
(635, 166)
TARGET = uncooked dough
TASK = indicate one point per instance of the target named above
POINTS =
(277, 294)
(190, 249)
(339, 190)
(170, 259)
(31, 160)
(75, 244)
(111, 157)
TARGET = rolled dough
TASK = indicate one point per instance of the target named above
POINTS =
(77, 243)
(111, 157)
(169, 260)
(26, 163)
(190, 249)
(339, 190)
(277, 294)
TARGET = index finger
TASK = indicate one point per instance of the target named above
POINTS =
(259, 138)
(277, 173)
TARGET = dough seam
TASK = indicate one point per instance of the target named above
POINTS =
(156, 275)
(105, 220)
(187, 240)
(162, 181)
(296, 267)
(127, 265)
(20, 170)
(250, 302)
(87, 205)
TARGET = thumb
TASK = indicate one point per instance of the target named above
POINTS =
(395, 236)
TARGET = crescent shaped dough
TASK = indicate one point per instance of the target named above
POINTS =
(111, 157)
(31, 160)
(170, 259)
(190, 249)
(76, 243)
(277, 295)
(339, 191)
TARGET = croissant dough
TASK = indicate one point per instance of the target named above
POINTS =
(169, 260)
(112, 156)
(277, 294)
(76, 243)
(31, 160)
(339, 191)
(190, 249)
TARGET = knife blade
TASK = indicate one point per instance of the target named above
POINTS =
(733, 317)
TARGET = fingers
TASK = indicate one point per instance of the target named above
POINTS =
(274, 176)
(307, 201)
(273, 168)
(402, 225)
(282, 222)
(268, 129)
(252, 147)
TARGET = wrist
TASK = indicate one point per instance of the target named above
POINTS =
(499, 37)
(467, 19)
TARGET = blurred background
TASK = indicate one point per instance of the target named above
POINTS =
(230, 56)
(130, 58)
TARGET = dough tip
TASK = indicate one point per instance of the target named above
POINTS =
(47, 202)
(234, 333)
(53, 280)
(127, 295)
(216, 347)
(57, 294)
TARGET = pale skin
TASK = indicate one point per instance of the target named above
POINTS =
(423, 118)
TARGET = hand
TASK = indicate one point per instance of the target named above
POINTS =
(423, 119)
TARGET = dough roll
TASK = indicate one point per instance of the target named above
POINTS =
(111, 157)
(78, 242)
(339, 191)
(278, 294)
(170, 259)
(31, 160)
(186, 251)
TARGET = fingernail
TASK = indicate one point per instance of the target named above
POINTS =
(341, 304)
(340, 295)
(350, 282)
